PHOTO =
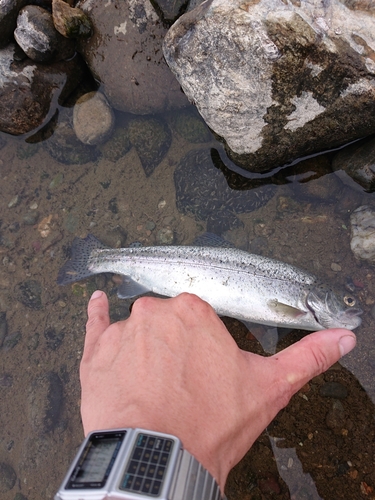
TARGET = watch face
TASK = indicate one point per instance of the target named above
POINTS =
(96, 461)
(147, 466)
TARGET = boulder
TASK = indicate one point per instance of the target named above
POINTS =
(125, 55)
(278, 80)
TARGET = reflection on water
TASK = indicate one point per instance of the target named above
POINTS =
(44, 204)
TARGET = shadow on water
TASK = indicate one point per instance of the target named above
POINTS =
(321, 446)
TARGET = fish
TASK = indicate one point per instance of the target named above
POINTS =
(249, 287)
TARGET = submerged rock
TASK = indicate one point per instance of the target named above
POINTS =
(277, 80)
(93, 118)
(362, 241)
(203, 191)
(151, 138)
(65, 147)
(358, 161)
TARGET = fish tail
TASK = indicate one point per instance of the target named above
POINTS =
(77, 268)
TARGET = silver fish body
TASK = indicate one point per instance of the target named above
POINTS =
(238, 284)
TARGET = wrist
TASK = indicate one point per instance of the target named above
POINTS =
(131, 464)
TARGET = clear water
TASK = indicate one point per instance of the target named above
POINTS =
(306, 223)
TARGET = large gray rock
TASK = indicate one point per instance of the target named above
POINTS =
(278, 80)
(125, 55)
(29, 91)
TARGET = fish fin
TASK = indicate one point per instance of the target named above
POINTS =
(76, 268)
(211, 240)
(267, 336)
(285, 309)
(130, 288)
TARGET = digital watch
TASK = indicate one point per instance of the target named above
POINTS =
(131, 464)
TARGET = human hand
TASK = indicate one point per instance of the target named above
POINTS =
(173, 367)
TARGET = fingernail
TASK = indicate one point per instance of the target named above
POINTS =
(96, 294)
(346, 344)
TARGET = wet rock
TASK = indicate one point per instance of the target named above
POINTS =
(189, 125)
(11, 340)
(203, 191)
(46, 400)
(19, 496)
(70, 21)
(7, 477)
(53, 338)
(277, 81)
(170, 10)
(29, 89)
(165, 236)
(358, 161)
(38, 38)
(333, 390)
(8, 19)
(335, 418)
(29, 293)
(65, 147)
(362, 224)
(6, 380)
(117, 146)
(151, 138)
(93, 118)
(125, 55)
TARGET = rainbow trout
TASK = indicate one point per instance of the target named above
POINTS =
(236, 283)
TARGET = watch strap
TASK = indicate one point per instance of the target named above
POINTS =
(192, 481)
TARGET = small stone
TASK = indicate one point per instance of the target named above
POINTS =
(150, 225)
(34, 205)
(165, 236)
(335, 418)
(362, 242)
(29, 293)
(7, 477)
(54, 339)
(93, 118)
(333, 390)
(161, 204)
(14, 201)
(30, 218)
(335, 267)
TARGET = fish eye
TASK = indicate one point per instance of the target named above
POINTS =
(349, 300)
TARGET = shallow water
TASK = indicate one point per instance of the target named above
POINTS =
(318, 447)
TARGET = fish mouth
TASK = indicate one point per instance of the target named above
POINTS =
(329, 311)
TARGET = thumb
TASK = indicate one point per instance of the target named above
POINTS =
(98, 319)
(311, 356)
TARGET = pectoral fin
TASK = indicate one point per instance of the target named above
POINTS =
(130, 288)
(267, 336)
(284, 309)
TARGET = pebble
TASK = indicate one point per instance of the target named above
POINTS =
(362, 241)
(335, 267)
(93, 119)
(333, 390)
(53, 338)
(165, 236)
(335, 418)
(29, 293)
(7, 477)
(14, 201)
